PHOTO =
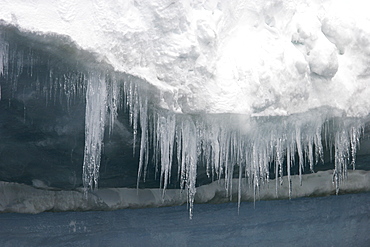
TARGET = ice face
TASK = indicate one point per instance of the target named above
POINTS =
(243, 89)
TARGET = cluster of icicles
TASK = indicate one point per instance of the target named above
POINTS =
(227, 146)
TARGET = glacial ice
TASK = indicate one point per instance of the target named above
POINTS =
(246, 90)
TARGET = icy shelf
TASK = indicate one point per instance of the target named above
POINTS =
(21, 198)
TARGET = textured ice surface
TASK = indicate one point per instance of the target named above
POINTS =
(261, 58)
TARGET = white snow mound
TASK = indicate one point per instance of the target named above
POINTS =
(269, 57)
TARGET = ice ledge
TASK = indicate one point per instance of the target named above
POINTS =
(20, 198)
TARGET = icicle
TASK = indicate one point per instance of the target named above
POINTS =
(355, 139)
(300, 152)
(95, 116)
(310, 153)
(183, 160)
(240, 186)
(288, 164)
(179, 156)
(4, 57)
(189, 154)
(278, 164)
(318, 146)
(112, 101)
(143, 160)
(166, 136)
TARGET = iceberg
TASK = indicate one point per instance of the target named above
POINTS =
(192, 91)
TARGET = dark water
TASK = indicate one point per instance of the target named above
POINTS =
(342, 220)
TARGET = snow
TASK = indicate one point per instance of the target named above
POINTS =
(265, 58)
